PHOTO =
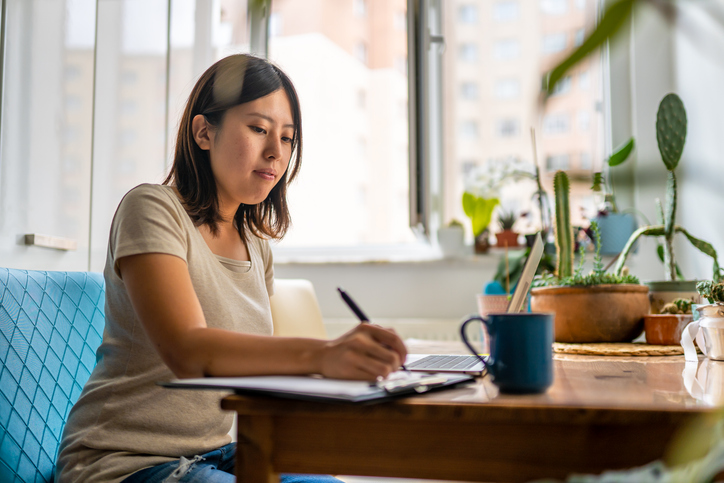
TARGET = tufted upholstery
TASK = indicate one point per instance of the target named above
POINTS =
(51, 324)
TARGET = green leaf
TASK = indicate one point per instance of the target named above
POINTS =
(468, 204)
(611, 21)
(483, 214)
(479, 210)
(622, 153)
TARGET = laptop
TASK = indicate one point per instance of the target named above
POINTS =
(470, 364)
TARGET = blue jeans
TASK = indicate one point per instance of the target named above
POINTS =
(213, 467)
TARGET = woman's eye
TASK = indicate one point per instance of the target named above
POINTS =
(286, 139)
(258, 129)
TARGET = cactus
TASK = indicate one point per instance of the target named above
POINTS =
(670, 134)
(564, 229)
(671, 130)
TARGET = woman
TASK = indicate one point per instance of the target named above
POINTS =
(188, 278)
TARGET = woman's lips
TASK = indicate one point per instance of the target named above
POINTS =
(266, 174)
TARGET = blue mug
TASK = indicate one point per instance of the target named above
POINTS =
(521, 350)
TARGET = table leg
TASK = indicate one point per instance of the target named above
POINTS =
(254, 450)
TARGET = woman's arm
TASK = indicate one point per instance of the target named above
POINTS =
(164, 300)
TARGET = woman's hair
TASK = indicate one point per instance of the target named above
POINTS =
(234, 80)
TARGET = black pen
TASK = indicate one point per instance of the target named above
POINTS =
(357, 311)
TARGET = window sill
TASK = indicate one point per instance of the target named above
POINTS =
(397, 254)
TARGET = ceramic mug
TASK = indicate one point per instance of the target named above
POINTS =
(521, 350)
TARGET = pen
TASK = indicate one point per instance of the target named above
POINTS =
(357, 311)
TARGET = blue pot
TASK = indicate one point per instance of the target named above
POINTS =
(616, 229)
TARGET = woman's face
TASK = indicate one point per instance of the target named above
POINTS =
(251, 149)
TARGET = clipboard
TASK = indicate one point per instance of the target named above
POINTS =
(311, 388)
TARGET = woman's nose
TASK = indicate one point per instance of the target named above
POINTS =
(274, 148)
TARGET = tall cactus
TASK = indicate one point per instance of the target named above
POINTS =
(564, 229)
(671, 136)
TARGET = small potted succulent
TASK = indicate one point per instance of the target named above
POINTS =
(665, 327)
(506, 237)
(451, 239)
(595, 307)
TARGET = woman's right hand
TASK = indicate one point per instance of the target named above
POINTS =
(366, 352)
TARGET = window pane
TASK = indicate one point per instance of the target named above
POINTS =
(47, 112)
(518, 42)
(354, 183)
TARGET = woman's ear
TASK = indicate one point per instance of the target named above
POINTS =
(201, 131)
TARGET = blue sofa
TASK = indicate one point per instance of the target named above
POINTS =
(51, 324)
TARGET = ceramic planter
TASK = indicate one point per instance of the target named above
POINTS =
(616, 228)
(665, 329)
(451, 240)
(662, 292)
(507, 238)
(600, 313)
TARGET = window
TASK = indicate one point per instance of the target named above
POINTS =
(354, 91)
(359, 8)
(563, 86)
(275, 25)
(360, 52)
(554, 7)
(507, 128)
(507, 89)
(585, 161)
(584, 80)
(579, 37)
(469, 52)
(554, 43)
(507, 49)
(400, 21)
(506, 11)
(512, 79)
(468, 14)
(469, 90)
(584, 120)
(556, 162)
(554, 124)
(469, 130)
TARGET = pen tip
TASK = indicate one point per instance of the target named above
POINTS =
(339, 289)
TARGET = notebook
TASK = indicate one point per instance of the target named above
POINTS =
(470, 364)
(311, 388)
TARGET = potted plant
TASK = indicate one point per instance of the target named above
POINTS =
(671, 127)
(480, 212)
(506, 237)
(596, 307)
(451, 239)
(665, 328)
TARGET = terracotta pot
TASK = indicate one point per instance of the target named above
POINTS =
(662, 292)
(600, 313)
(507, 238)
(665, 329)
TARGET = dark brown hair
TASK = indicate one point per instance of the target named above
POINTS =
(233, 80)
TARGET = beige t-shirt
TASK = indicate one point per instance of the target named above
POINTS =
(123, 421)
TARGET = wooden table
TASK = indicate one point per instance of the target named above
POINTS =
(601, 413)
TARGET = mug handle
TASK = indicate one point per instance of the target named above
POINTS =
(468, 344)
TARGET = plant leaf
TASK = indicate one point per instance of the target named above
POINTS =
(468, 204)
(611, 21)
(622, 153)
(483, 214)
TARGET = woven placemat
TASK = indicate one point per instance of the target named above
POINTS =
(618, 349)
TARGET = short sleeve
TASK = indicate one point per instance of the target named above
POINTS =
(148, 220)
